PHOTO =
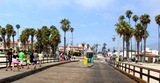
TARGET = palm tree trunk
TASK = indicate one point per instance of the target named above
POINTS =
(158, 39)
(123, 46)
(64, 42)
(127, 46)
(138, 50)
(13, 42)
(4, 43)
(72, 43)
(131, 47)
(144, 49)
(5, 50)
(24, 45)
(136, 43)
(32, 43)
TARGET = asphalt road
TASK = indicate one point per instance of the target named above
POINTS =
(76, 72)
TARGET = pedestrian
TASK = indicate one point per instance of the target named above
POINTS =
(21, 58)
(69, 57)
(40, 58)
(28, 61)
(31, 61)
(35, 54)
(15, 60)
(9, 59)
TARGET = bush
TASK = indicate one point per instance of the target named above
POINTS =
(76, 54)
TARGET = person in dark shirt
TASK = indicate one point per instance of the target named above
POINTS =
(31, 61)
(9, 59)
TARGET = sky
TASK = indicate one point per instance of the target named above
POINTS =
(93, 20)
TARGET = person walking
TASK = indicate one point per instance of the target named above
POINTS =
(31, 61)
(15, 60)
(9, 59)
(35, 54)
(28, 61)
(40, 57)
(21, 58)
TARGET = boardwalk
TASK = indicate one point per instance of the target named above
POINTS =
(77, 73)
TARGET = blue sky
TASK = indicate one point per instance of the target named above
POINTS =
(93, 20)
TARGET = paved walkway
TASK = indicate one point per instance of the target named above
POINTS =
(77, 73)
(8, 76)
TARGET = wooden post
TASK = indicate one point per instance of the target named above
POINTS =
(133, 70)
(148, 75)
(141, 73)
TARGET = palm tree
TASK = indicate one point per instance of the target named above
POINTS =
(13, 34)
(123, 28)
(128, 15)
(9, 30)
(39, 39)
(104, 48)
(157, 19)
(54, 39)
(119, 29)
(18, 26)
(135, 19)
(145, 36)
(88, 46)
(45, 37)
(23, 40)
(65, 25)
(121, 18)
(3, 33)
(96, 46)
(83, 45)
(27, 33)
(138, 34)
(128, 34)
(145, 20)
(72, 29)
(32, 33)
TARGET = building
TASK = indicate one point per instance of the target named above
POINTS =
(16, 44)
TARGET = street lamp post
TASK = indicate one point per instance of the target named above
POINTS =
(113, 38)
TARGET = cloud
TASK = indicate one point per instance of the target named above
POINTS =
(93, 4)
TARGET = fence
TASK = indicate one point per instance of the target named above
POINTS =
(147, 74)
(46, 59)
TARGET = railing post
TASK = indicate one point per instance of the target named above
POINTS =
(141, 73)
(122, 66)
(159, 77)
(133, 70)
(125, 67)
(148, 75)
(129, 69)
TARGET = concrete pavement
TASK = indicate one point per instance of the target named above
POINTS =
(78, 73)
(8, 76)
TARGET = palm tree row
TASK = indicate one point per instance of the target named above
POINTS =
(139, 32)
(45, 37)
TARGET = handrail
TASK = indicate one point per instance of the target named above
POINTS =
(127, 67)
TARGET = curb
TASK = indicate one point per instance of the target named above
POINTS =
(27, 73)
